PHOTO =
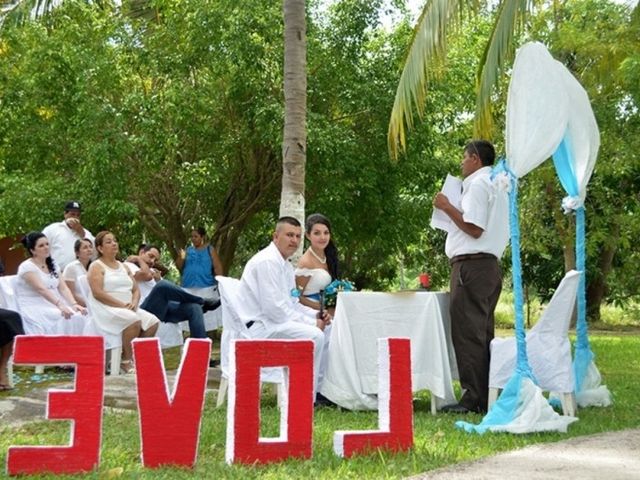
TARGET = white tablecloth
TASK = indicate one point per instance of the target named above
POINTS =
(361, 318)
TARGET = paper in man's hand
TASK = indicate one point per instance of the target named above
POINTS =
(452, 188)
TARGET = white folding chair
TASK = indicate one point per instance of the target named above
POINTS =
(234, 328)
(548, 349)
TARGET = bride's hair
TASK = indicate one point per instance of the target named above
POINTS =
(330, 251)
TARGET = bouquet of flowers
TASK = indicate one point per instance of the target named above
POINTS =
(331, 291)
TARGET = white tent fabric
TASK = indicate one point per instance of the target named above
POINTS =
(534, 414)
(537, 109)
(582, 130)
(581, 142)
(593, 394)
(521, 409)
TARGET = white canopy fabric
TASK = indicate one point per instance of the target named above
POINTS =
(537, 109)
(582, 130)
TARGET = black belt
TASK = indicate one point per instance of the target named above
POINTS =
(248, 324)
(471, 256)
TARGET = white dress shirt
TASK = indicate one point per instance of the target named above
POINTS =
(266, 289)
(61, 241)
(486, 207)
(145, 286)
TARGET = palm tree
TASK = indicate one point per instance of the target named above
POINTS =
(294, 143)
(428, 45)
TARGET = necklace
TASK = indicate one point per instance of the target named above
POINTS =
(44, 266)
(321, 260)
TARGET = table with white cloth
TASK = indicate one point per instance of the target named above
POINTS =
(361, 318)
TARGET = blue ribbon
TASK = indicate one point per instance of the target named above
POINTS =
(503, 411)
(564, 162)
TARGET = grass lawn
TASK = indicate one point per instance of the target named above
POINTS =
(437, 442)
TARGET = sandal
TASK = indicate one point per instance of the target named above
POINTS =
(127, 367)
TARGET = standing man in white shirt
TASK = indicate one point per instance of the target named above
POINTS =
(474, 249)
(270, 307)
(62, 236)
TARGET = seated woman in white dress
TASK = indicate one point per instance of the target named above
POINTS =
(115, 297)
(318, 266)
(45, 302)
(77, 268)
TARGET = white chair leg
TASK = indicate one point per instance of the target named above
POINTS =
(568, 401)
(222, 391)
(10, 371)
(493, 396)
(39, 369)
(116, 358)
(434, 404)
(282, 392)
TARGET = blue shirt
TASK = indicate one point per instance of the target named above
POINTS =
(198, 268)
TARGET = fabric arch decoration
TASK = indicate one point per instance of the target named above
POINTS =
(543, 119)
(574, 161)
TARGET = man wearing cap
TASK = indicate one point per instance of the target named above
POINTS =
(63, 235)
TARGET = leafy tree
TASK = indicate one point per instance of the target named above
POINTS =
(149, 123)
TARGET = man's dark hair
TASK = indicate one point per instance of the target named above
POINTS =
(146, 247)
(483, 149)
(289, 220)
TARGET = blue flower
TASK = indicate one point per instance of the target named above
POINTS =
(331, 291)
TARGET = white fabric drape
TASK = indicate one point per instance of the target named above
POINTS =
(582, 129)
(537, 109)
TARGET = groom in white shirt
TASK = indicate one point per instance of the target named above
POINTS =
(269, 307)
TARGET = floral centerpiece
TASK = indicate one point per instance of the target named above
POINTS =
(331, 291)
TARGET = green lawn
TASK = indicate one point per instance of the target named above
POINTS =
(437, 442)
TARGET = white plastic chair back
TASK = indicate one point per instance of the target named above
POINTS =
(8, 298)
(548, 345)
(234, 328)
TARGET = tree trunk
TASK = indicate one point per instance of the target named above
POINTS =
(597, 288)
(294, 145)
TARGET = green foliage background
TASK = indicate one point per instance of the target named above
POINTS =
(163, 122)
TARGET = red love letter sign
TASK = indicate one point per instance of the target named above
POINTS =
(170, 424)
(244, 444)
(395, 407)
(83, 405)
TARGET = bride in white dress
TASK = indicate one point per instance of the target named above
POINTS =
(318, 266)
(46, 304)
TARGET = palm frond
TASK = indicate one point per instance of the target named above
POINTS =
(498, 50)
(16, 12)
(427, 45)
(19, 11)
